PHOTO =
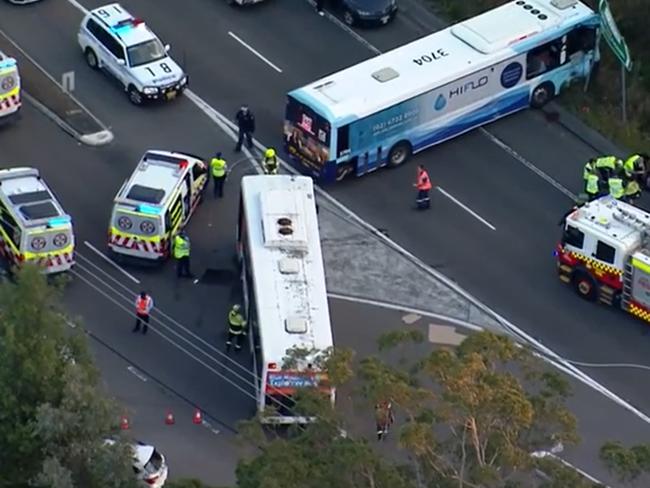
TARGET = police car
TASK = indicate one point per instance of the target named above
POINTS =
(113, 40)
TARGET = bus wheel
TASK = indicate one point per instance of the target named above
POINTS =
(399, 154)
(585, 286)
(542, 95)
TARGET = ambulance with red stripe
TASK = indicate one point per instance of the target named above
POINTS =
(10, 102)
(34, 228)
(155, 203)
(604, 255)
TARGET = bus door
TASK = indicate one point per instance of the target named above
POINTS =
(582, 49)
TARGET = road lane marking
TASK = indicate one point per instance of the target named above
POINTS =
(254, 51)
(465, 207)
(78, 6)
(111, 262)
(208, 426)
(173, 342)
(549, 179)
(556, 360)
(554, 183)
(137, 373)
(549, 355)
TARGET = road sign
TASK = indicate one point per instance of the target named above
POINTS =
(613, 35)
(67, 81)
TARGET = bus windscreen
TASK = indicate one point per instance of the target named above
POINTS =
(307, 134)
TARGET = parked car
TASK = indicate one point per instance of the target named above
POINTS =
(149, 465)
(366, 11)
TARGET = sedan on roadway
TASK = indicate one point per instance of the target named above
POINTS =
(366, 11)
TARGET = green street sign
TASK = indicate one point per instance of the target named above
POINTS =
(613, 35)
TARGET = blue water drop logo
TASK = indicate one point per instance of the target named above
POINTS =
(441, 102)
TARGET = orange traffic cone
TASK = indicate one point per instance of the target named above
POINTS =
(198, 418)
(169, 418)
(124, 423)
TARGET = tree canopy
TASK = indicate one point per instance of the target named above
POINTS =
(468, 417)
(54, 418)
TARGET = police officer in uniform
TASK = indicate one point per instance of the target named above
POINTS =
(219, 169)
(236, 327)
(246, 125)
(181, 252)
(270, 162)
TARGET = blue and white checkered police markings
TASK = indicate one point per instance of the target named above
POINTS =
(122, 45)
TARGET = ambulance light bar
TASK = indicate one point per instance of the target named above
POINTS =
(7, 63)
(59, 221)
(148, 209)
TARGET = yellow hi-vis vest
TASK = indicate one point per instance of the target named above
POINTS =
(630, 164)
(181, 247)
(608, 162)
(592, 184)
(589, 167)
(616, 187)
(236, 322)
(632, 188)
(218, 167)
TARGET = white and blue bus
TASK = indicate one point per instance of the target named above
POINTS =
(380, 111)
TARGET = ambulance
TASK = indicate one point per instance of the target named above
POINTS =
(9, 88)
(604, 254)
(155, 203)
(34, 228)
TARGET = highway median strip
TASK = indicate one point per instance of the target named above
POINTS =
(50, 98)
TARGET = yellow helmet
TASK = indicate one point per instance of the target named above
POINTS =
(270, 153)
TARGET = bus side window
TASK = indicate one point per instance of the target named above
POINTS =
(543, 59)
(581, 39)
(343, 141)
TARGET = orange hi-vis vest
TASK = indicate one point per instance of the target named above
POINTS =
(424, 183)
(143, 305)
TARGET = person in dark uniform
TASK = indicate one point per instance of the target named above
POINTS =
(246, 124)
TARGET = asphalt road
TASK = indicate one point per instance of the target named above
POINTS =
(510, 268)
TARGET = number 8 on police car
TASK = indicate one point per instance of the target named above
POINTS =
(113, 40)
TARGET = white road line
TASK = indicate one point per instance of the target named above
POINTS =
(465, 207)
(78, 6)
(208, 425)
(552, 356)
(111, 262)
(401, 308)
(254, 51)
(137, 373)
(558, 186)
(547, 354)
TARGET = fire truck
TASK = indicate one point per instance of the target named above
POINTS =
(604, 255)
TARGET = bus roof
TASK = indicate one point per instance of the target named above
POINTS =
(289, 285)
(439, 58)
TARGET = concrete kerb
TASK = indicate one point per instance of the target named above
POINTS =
(507, 326)
(96, 138)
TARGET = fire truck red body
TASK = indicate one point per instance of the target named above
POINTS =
(605, 255)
